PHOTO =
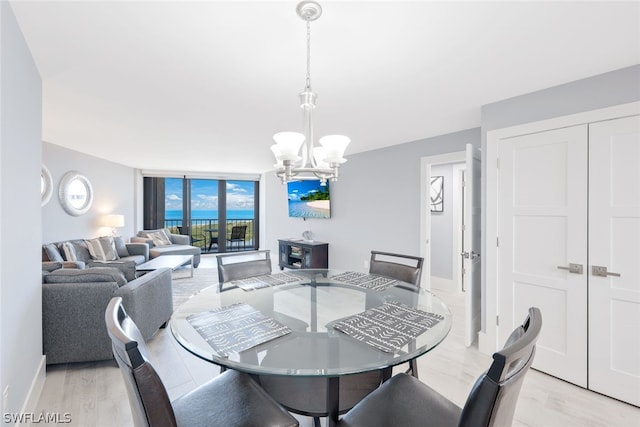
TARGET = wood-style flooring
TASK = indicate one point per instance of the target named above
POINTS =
(94, 394)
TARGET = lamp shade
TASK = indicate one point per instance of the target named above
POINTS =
(289, 144)
(114, 221)
(334, 146)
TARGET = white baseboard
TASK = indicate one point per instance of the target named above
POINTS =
(443, 284)
(37, 385)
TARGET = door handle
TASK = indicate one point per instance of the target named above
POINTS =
(472, 255)
(600, 271)
(573, 268)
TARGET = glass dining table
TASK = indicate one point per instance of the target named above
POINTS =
(312, 325)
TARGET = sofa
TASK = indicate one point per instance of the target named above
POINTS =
(107, 251)
(74, 301)
(162, 242)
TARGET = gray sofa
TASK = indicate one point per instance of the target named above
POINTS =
(54, 257)
(74, 303)
(179, 245)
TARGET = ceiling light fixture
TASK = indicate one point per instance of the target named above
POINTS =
(314, 162)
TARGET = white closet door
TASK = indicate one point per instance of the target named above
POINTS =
(614, 243)
(542, 229)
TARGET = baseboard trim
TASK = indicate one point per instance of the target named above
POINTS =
(37, 385)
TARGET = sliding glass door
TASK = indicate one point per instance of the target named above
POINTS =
(218, 215)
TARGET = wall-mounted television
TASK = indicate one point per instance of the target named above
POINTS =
(308, 199)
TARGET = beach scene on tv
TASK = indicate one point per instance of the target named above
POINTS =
(308, 199)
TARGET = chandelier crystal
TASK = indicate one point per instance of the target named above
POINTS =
(298, 157)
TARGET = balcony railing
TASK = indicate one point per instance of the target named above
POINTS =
(203, 231)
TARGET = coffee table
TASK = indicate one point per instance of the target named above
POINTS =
(167, 261)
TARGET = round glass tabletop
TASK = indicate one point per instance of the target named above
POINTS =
(310, 308)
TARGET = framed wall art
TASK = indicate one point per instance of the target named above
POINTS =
(437, 193)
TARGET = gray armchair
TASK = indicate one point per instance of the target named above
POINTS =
(178, 244)
(73, 313)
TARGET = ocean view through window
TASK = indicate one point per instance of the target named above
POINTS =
(207, 210)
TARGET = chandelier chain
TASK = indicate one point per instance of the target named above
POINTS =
(308, 81)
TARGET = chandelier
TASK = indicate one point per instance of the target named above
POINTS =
(298, 158)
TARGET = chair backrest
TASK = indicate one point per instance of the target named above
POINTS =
(238, 232)
(242, 266)
(492, 400)
(149, 401)
(407, 268)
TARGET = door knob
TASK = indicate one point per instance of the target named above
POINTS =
(600, 271)
(573, 268)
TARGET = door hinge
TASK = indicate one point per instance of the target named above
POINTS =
(498, 162)
(497, 320)
(497, 241)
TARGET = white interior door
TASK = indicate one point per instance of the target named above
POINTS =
(614, 243)
(542, 228)
(471, 249)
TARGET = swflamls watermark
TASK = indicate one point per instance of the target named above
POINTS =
(36, 418)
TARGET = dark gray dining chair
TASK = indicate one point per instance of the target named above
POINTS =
(405, 401)
(242, 266)
(407, 268)
(230, 399)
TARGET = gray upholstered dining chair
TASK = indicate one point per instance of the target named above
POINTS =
(405, 401)
(230, 399)
(242, 266)
(407, 268)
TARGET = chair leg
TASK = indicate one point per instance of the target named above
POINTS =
(413, 368)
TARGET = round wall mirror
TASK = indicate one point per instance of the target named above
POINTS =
(75, 193)
(46, 185)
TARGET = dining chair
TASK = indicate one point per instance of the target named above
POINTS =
(230, 399)
(405, 401)
(242, 266)
(407, 268)
(238, 234)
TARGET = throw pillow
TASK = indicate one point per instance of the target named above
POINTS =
(82, 252)
(93, 274)
(69, 252)
(121, 247)
(159, 238)
(102, 248)
(52, 252)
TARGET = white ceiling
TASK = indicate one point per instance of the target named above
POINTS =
(202, 86)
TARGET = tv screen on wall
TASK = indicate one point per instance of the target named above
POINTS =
(308, 199)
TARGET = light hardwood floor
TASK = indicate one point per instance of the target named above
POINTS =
(94, 394)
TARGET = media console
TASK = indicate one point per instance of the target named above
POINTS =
(299, 253)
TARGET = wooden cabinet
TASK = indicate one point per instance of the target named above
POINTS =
(303, 254)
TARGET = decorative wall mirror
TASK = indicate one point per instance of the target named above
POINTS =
(75, 193)
(46, 185)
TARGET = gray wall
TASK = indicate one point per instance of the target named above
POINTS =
(114, 188)
(20, 227)
(442, 227)
(375, 205)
